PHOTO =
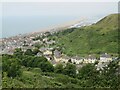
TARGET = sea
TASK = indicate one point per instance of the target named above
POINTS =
(15, 25)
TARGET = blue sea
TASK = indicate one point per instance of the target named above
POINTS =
(12, 26)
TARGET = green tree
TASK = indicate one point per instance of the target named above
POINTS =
(28, 52)
(111, 75)
(27, 61)
(38, 60)
(87, 71)
(5, 60)
(46, 67)
(35, 51)
(12, 67)
(59, 68)
(18, 53)
(70, 70)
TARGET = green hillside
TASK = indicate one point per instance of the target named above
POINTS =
(24, 69)
(101, 37)
(34, 78)
(16, 75)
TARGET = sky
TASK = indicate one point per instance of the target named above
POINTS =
(33, 8)
(59, 0)
(56, 9)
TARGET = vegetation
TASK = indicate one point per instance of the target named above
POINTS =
(37, 72)
(101, 37)
(27, 70)
(59, 68)
(70, 70)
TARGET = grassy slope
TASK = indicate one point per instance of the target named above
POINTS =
(33, 78)
(98, 38)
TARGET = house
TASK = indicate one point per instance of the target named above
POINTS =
(119, 63)
(102, 65)
(90, 59)
(39, 54)
(53, 62)
(49, 57)
(50, 42)
(65, 59)
(57, 56)
(28, 47)
(105, 58)
(43, 49)
(114, 58)
(47, 52)
(77, 60)
(45, 39)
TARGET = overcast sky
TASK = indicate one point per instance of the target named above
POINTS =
(59, 0)
(88, 8)
(61, 8)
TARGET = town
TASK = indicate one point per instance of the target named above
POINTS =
(42, 42)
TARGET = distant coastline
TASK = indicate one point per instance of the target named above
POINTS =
(12, 26)
(30, 29)
(52, 28)
(27, 25)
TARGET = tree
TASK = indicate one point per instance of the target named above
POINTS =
(35, 51)
(70, 70)
(28, 52)
(38, 60)
(59, 68)
(111, 74)
(89, 75)
(5, 60)
(38, 45)
(12, 67)
(18, 53)
(27, 61)
(87, 71)
(46, 67)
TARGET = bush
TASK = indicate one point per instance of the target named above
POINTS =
(87, 72)
(70, 70)
(12, 67)
(59, 68)
(46, 67)
(28, 52)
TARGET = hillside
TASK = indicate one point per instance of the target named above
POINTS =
(16, 75)
(98, 38)
(32, 69)
(34, 78)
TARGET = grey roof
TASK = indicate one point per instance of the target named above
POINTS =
(77, 58)
(43, 49)
(91, 57)
(66, 57)
(105, 55)
(53, 62)
(57, 53)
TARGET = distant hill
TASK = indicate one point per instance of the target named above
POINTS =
(94, 39)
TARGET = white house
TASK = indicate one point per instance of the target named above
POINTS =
(39, 54)
(105, 58)
(47, 52)
(76, 60)
(57, 56)
(65, 59)
(90, 59)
